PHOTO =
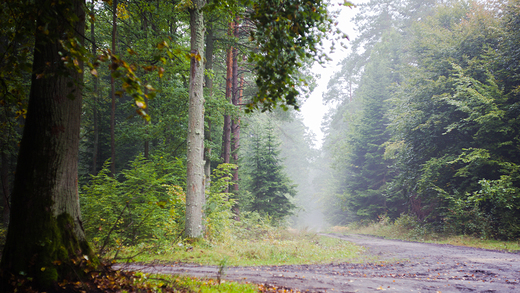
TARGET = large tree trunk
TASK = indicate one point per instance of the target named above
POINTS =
(45, 232)
(195, 173)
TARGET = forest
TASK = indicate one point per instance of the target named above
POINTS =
(149, 124)
(426, 118)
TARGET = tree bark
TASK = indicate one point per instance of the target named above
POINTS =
(195, 145)
(45, 232)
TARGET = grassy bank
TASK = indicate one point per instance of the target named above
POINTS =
(275, 246)
(263, 245)
(407, 228)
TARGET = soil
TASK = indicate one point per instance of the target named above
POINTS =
(390, 265)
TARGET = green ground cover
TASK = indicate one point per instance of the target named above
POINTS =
(407, 228)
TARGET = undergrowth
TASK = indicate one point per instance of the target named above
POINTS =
(407, 227)
(251, 242)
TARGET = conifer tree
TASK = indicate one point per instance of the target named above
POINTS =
(270, 187)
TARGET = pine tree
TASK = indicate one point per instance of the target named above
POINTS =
(270, 187)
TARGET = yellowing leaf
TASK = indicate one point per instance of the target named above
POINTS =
(162, 45)
(140, 104)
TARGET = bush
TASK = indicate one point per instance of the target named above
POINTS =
(148, 205)
(144, 206)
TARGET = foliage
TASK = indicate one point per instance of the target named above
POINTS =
(449, 151)
(146, 205)
(254, 241)
(217, 210)
(271, 191)
(408, 227)
(290, 30)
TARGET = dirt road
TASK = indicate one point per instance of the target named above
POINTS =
(401, 267)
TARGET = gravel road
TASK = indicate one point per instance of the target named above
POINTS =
(401, 266)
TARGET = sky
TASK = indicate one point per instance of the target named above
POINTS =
(313, 109)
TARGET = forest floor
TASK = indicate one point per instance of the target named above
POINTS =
(390, 265)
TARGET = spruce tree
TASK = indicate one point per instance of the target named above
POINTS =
(270, 187)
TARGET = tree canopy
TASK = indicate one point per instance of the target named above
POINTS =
(446, 114)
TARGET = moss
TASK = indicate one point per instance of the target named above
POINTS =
(87, 250)
(62, 253)
(48, 251)
(47, 276)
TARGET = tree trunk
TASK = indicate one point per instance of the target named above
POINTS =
(195, 145)
(236, 136)
(210, 41)
(113, 94)
(235, 124)
(95, 148)
(226, 133)
(45, 239)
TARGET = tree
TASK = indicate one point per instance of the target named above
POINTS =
(45, 238)
(195, 174)
(290, 31)
(270, 188)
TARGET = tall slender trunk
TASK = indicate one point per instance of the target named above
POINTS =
(45, 238)
(95, 146)
(195, 144)
(210, 42)
(226, 134)
(234, 94)
(236, 135)
(144, 26)
(113, 95)
(235, 123)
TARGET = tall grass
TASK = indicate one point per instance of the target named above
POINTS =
(407, 227)
(273, 246)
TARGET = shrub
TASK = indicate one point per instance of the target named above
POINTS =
(144, 206)
(148, 204)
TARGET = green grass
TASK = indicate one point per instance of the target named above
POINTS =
(405, 228)
(189, 284)
(267, 246)
(276, 247)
